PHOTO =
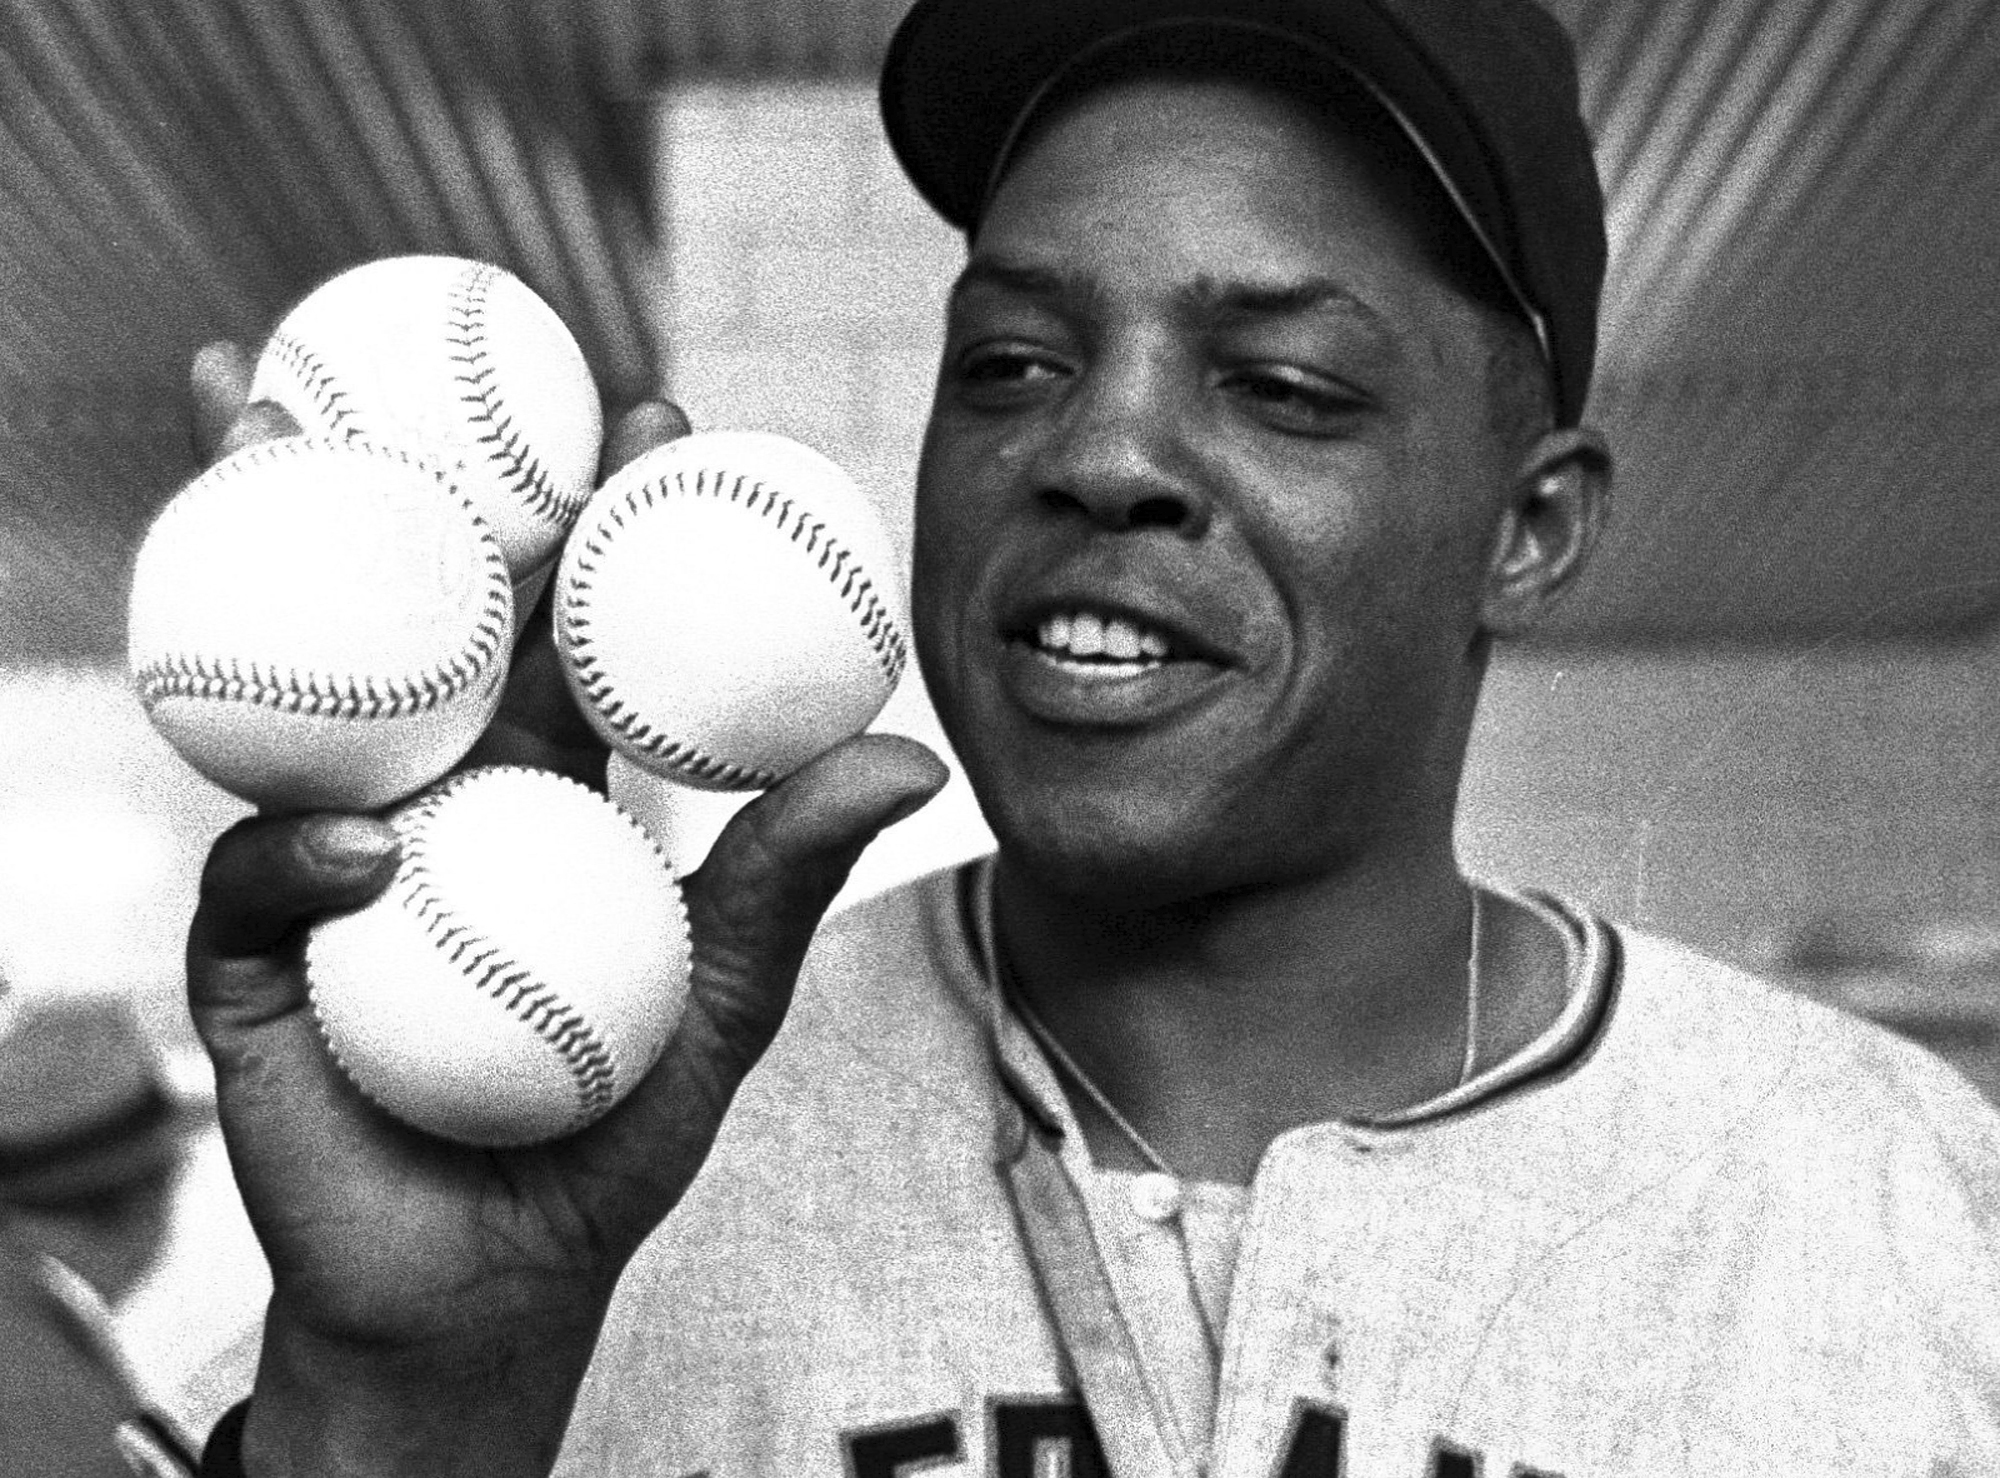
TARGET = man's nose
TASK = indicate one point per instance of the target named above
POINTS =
(1121, 454)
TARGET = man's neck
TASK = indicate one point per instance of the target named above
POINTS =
(1216, 1025)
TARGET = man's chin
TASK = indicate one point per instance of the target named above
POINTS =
(1119, 863)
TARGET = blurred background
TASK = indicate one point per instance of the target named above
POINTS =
(1769, 723)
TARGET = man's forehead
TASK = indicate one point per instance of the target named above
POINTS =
(1266, 183)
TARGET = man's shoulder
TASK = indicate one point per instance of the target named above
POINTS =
(1700, 1058)
(900, 960)
(1719, 1022)
(912, 920)
(886, 1024)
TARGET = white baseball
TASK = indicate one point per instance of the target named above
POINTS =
(521, 973)
(727, 608)
(319, 624)
(461, 362)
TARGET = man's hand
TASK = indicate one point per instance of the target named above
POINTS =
(434, 1305)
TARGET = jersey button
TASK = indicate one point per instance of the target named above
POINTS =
(1156, 1197)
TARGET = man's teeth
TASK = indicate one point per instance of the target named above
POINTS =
(1084, 634)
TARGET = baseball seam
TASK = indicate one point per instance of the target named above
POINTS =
(478, 378)
(310, 373)
(490, 970)
(841, 567)
(324, 695)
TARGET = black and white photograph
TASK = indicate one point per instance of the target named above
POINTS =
(1000, 738)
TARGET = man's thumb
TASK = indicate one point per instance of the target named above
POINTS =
(755, 902)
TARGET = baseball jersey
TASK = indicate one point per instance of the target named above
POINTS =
(1731, 1231)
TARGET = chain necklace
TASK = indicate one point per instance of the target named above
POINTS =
(1157, 1162)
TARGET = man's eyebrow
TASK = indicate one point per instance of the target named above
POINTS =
(1218, 298)
(1207, 297)
(1032, 282)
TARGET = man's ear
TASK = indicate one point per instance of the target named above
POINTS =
(1555, 511)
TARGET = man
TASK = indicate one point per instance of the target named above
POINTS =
(1217, 1124)
(90, 1137)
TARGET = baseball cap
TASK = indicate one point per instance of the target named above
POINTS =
(1486, 91)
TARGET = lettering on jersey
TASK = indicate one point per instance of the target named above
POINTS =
(1316, 1448)
(1316, 1445)
(1045, 1439)
(1052, 1437)
(1449, 1460)
(1031, 1437)
(902, 1449)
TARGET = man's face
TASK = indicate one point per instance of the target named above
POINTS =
(1206, 503)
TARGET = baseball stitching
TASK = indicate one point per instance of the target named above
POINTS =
(310, 374)
(841, 567)
(321, 695)
(477, 377)
(487, 968)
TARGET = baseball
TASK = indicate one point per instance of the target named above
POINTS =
(727, 608)
(319, 624)
(521, 973)
(460, 362)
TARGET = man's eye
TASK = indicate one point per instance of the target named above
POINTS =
(1000, 372)
(1295, 401)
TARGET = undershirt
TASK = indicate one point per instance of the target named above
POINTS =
(1170, 1245)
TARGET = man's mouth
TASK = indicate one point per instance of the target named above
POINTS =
(1078, 662)
(1100, 645)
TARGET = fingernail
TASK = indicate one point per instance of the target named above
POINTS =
(664, 415)
(353, 842)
